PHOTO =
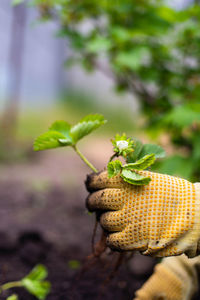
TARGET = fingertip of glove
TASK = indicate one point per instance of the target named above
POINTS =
(87, 204)
(88, 183)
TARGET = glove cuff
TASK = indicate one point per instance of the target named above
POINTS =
(190, 242)
(196, 230)
(193, 236)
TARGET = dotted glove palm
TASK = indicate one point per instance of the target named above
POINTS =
(175, 278)
(159, 219)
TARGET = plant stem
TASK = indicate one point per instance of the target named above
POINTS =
(85, 159)
(10, 285)
(113, 156)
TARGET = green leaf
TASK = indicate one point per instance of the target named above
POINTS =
(137, 147)
(114, 168)
(39, 289)
(142, 163)
(134, 178)
(49, 140)
(98, 44)
(167, 13)
(62, 134)
(182, 116)
(65, 142)
(39, 272)
(74, 264)
(62, 127)
(177, 166)
(12, 297)
(196, 148)
(152, 149)
(133, 59)
(120, 34)
(86, 126)
(34, 283)
(17, 2)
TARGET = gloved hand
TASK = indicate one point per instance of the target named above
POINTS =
(158, 219)
(175, 278)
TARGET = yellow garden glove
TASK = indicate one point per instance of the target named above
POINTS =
(158, 219)
(175, 278)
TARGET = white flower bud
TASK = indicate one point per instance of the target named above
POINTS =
(122, 144)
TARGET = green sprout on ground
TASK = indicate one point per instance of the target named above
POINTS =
(137, 156)
(13, 297)
(34, 283)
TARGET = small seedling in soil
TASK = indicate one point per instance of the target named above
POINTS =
(74, 264)
(34, 283)
(13, 297)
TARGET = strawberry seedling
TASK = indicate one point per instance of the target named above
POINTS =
(136, 155)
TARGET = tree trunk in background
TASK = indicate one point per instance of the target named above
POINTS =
(9, 118)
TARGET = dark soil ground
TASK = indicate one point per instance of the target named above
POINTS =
(44, 220)
(46, 238)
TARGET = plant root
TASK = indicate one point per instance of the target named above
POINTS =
(94, 235)
(99, 247)
(97, 250)
(111, 275)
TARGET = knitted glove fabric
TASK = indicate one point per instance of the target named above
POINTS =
(175, 278)
(159, 219)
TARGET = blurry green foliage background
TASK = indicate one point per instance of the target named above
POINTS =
(152, 51)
